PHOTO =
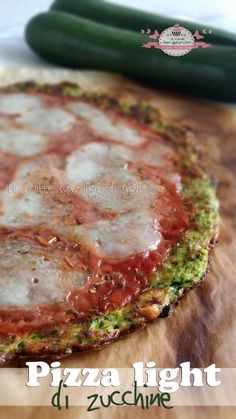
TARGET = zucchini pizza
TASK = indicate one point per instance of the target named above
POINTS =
(106, 218)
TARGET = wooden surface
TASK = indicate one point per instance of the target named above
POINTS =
(202, 329)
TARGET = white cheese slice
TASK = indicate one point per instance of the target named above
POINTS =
(28, 278)
(20, 204)
(19, 103)
(119, 197)
(47, 120)
(21, 142)
(102, 173)
(155, 154)
(20, 210)
(123, 236)
(103, 124)
(29, 198)
(174, 178)
(96, 161)
(4, 123)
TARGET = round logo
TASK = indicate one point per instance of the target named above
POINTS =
(176, 41)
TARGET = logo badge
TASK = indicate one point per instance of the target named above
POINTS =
(176, 40)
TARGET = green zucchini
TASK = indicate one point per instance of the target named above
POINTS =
(133, 19)
(75, 42)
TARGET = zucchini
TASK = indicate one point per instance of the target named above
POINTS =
(75, 42)
(133, 19)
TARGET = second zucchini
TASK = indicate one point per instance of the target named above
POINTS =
(129, 18)
(80, 43)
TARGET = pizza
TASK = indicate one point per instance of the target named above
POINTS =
(107, 218)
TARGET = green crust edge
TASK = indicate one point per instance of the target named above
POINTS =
(184, 268)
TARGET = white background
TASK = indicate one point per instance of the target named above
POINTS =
(15, 13)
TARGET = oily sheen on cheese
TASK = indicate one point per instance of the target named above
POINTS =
(86, 200)
(28, 286)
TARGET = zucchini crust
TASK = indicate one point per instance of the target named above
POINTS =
(184, 268)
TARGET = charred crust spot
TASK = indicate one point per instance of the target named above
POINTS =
(166, 311)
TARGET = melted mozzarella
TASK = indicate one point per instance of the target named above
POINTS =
(29, 198)
(105, 125)
(51, 120)
(174, 178)
(22, 143)
(156, 154)
(96, 161)
(124, 235)
(3, 122)
(20, 211)
(160, 155)
(119, 196)
(28, 278)
(19, 103)
(104, 169)
(20, 204)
